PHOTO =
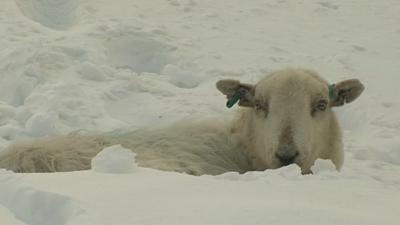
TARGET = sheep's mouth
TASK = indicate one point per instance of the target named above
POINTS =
(286, 163)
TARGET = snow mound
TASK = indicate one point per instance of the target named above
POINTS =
(32, 206)
(114, 159)
(90, 71)
(6, 112)
(181, 78)
(139, 52)
(322, 166)
(42, 124)
(54, 14)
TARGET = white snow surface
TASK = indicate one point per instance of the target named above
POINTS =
(114, 159)
(102, 65)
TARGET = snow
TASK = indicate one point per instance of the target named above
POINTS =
(99, 65)
(153, 197)
(181, 78)
(28, 205)
(114, 159)
(323, 166)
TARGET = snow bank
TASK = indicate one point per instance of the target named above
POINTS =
(28, 205)
(55, 14)
(282, 196)
(114, 159)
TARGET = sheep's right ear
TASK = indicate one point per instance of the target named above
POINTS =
(234, 89)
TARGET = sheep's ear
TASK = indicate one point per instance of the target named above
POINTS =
(345, 92)
(234, 90)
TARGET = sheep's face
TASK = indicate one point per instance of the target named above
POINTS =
(290, 114)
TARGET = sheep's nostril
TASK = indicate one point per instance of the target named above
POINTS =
(286, 158)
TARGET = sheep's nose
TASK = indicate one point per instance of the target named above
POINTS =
(287, 157)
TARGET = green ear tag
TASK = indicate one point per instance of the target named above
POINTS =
(332, 92)
(236, 97)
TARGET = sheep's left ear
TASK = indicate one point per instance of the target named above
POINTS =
(345, 92)
(236, 91)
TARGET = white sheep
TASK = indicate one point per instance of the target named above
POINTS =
(285, 118)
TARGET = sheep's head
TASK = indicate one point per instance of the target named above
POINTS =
(289, 117)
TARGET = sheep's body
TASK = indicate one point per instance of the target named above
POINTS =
(191, 147)
(287, 119)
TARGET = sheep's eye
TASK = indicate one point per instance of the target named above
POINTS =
(322, 105)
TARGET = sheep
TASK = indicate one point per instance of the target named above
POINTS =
(194, 147)
(286, 118)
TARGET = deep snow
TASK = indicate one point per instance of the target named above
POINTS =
(101, 65)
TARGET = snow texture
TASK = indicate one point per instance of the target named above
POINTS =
(100, 65)
(114, 159)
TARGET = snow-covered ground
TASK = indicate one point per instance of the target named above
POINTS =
(101, 65)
